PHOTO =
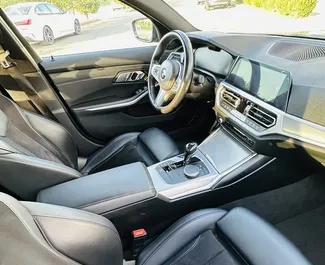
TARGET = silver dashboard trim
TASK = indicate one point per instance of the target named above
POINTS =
(115, 105)
(286, 124)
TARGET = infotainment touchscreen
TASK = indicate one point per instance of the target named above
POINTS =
(265, 82)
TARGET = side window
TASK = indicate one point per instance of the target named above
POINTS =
(93, 28)
(53, 9)
(42, 10)
(38, 11)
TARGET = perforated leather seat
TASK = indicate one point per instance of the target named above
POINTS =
(39, 147)
(41, 234)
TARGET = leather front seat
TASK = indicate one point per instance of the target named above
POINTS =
(45, 151)
(41, 234)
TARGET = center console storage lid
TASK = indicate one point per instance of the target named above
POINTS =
(104, 191)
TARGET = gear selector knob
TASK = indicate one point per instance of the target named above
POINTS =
(189, 151)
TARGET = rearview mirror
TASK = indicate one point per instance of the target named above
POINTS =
(144, 30)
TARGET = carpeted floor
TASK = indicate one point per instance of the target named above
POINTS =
(307, 232)
(298, 211)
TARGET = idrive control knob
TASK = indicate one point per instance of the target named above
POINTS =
(191, 171)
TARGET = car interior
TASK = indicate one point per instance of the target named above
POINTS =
(205, 148)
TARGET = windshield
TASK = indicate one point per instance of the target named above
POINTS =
(293, 17)
(61, 27)
(17, 10)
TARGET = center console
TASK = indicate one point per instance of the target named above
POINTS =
(250, 101)
(216, 157)
(200, 169)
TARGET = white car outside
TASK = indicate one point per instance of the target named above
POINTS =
(41, 21)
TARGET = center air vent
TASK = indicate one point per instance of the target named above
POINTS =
(262, 116)
(295, 51)
(230, 97)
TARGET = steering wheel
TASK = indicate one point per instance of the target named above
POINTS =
(173, 77)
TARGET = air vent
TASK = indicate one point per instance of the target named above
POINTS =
(230, 97)
(262, 116)
(296, 51)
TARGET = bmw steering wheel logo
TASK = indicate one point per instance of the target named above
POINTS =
(163, 73)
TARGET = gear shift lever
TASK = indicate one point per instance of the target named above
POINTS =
(189, 151)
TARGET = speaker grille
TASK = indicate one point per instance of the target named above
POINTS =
(296, 51)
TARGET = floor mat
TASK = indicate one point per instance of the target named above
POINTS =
(278, 205)
(298, 211)
(307, 232)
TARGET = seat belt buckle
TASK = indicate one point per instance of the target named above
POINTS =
(139, 238)
(3, 60)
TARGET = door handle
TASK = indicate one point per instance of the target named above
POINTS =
(132, 76)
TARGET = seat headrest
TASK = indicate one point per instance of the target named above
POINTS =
(3, 123)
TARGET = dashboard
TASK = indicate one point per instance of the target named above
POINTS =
(269, 90)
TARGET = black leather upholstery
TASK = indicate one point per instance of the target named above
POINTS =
(33, 135)
(216, 237)
(158, 144)
(103, 192)
(42, 234)
(56, 134)
(257, 241)
(42, 148)
(149, 147)
(179, 235)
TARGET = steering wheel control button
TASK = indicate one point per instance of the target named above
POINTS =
(155, 72)
(191, 171)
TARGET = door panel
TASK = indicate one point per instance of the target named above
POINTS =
(105, 108)
(92, 86)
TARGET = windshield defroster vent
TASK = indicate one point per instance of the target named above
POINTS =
(296, 51)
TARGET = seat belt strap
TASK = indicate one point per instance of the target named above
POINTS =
(11, 69)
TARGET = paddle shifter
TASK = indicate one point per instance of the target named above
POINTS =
(189, 151)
